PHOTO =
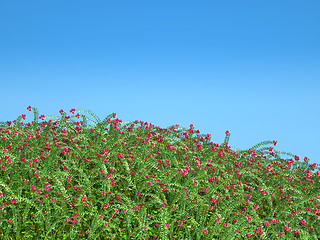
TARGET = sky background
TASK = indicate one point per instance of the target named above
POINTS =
(247, 67)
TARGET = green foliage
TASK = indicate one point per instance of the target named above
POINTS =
(112, 182)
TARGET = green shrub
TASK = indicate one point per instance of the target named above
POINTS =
(67, 180)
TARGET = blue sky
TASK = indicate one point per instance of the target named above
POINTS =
(247, 67)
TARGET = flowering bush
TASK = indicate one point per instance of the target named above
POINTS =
(65, 180)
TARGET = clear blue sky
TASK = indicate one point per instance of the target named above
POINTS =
(248, 67)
